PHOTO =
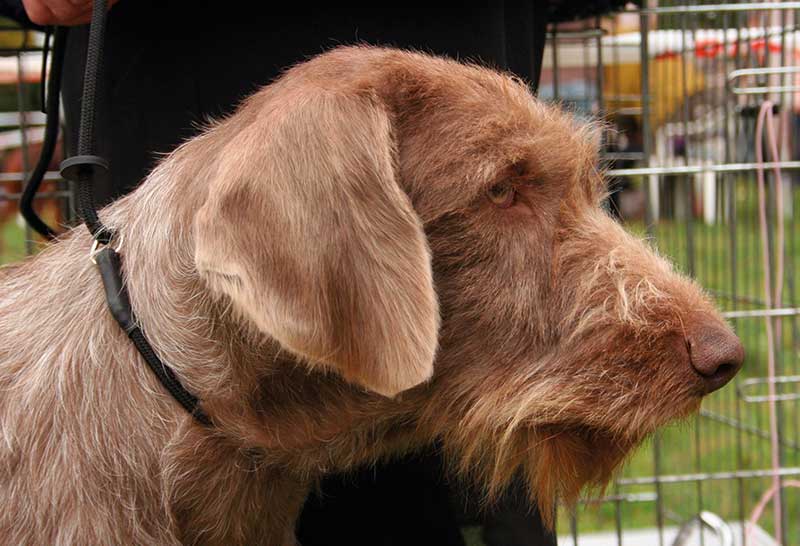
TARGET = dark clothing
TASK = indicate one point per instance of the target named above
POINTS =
(413, 502)
(182, 62)
(165, 74)
(398, 504)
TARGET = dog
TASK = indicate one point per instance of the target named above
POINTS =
(379, 250)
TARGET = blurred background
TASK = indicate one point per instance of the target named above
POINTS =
(679, 86)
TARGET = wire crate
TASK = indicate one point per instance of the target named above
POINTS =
(680, 86)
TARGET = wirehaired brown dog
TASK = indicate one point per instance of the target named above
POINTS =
(379, 250)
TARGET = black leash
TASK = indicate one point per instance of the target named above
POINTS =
(50, 105)
(84, 169)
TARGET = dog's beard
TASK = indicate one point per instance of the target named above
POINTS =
(557, 461)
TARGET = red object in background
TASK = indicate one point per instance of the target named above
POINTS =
(707, 49)
(758, 46)
(666, 55)
(710, 48)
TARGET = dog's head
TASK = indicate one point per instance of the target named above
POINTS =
(396, 217)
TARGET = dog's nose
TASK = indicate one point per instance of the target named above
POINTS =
(716, 354)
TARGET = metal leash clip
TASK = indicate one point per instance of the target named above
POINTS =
(98, 246)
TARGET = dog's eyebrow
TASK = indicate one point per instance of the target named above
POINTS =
(528, 173)
(520, 171)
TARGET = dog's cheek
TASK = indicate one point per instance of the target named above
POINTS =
(494, 324)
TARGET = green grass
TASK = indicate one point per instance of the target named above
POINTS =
(12, 245)
(16, 242)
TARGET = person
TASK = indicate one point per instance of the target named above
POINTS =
(169, 67)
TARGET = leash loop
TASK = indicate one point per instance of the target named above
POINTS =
(50, 107)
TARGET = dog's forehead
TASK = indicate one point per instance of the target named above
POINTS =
(479, 127)
(526, 135)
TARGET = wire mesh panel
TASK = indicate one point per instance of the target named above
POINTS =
(681, 86)
(21, 135)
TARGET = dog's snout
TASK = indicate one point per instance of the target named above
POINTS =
(716, 354)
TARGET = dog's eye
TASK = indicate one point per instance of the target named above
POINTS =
(502, 195)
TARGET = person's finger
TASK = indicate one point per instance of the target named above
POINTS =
(86, 5)
(81, 19)
(67, 14)
(60, 12)
(38, 12)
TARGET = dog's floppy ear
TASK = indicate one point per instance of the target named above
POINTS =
(308, 232)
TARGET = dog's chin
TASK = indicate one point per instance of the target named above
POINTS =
(568, 461)
(555, 461)
(559, 460)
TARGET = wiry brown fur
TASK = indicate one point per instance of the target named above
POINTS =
(328, 244)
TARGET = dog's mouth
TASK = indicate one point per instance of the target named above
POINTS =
(560, 458)
(582, 444)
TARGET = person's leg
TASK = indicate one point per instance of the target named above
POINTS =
(400, 503)
(514, 522)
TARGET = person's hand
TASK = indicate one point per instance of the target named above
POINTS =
(59, 12)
